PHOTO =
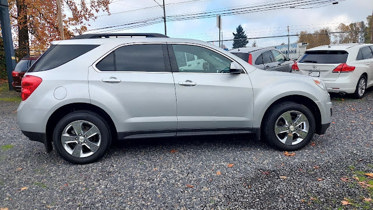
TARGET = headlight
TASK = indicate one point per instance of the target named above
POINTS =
(320, 83)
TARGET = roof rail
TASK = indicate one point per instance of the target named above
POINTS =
(118, 35)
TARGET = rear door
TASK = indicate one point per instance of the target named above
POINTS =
(321, 63)
(210, 98)
(283, 64)
(269, 61)
(365, 61)
(135, 84)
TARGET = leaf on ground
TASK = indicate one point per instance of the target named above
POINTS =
(230, 165)
(364, 184)
(189, 186)
(173, 151)
(367, 200)
(320, 179)
(345, 179)
(353, 121)
(316, 167)
(371, 123)
(266, 173)
(289, 154)
(218, 173)
(4, 209)
(24, 188)
(370, 175)
(283, 177)
(19, 169)
(345, 203)
(313, 143)
(313, 199)
(333, 122)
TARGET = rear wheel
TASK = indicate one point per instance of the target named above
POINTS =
(289, 126)
(82, 137)
(361, 87)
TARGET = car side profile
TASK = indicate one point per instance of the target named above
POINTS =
(346, 68)
(87, 92)
(268, 59)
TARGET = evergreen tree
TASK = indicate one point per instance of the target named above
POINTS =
(240, 38)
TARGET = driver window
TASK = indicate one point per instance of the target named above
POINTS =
(198, 59)
(278, 56)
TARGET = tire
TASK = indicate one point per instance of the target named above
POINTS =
(288, 126)
(361, 87)
(82, 137)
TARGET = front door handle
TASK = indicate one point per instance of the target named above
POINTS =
(187, 83)
(111, 80)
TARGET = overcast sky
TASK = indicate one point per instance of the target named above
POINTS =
(256, 24)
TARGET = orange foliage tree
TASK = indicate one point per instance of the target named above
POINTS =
(36, 20)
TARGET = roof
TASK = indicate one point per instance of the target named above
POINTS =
(338, 46)
(249, 49)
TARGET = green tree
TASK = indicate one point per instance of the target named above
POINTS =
(369, 30)
(240, 38)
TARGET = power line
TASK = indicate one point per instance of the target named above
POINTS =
(225, 12)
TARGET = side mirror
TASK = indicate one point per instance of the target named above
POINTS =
(235, 68)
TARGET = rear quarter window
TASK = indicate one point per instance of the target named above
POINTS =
(325, 57)
(58, 55)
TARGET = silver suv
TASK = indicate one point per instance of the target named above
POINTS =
(86, 92)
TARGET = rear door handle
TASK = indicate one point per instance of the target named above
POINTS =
(111, 80)
(187, 83)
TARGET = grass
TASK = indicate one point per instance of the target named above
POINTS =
(6, 147)
(6, 95)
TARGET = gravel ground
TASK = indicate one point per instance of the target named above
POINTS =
(214, 172)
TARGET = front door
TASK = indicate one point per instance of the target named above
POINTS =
(208, 96)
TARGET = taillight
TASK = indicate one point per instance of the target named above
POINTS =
(295, 67)
(250, 59)
(15, 74)
(343, 68)
(29, 84)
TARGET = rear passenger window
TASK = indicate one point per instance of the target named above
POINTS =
(243, 56)
(268, 57)
(148, 58)
(259, 60)
(365, 53)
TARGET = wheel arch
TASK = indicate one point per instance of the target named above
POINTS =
(64, 110)
(309, 103)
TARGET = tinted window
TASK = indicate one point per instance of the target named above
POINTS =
(259, 60)
(243, 56)
(135, 58)
(365, 53)
(324, 57)
(278, 56)
(22, 66)
(206, 61)
(58, 55)
(268, 57)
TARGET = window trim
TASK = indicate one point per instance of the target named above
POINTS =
(165, 60)
(173, 61)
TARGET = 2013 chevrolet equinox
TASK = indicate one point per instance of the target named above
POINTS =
(86, 92)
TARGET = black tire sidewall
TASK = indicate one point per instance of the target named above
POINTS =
(88, 116)
(270, 121)
(356, 94)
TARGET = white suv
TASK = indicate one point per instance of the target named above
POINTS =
(85, 92)
(346, 68)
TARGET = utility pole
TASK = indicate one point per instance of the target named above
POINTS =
(59, 19)
(164, 18)
(218, 24)
(288, 41)
(10, 59)
(371, 28)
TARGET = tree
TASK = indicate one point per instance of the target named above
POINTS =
(37, 20)
(317, 38)
(240, 38)
(351, 33)
(369, 30)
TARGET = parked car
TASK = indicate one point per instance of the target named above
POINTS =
(346, 68)
(22, 66)
(86, 92)
(264, 58)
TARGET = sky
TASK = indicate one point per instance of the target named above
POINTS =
(257, 24)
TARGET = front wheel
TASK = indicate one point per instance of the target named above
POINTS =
(82, 137)
(289, 126)
(361, 87)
